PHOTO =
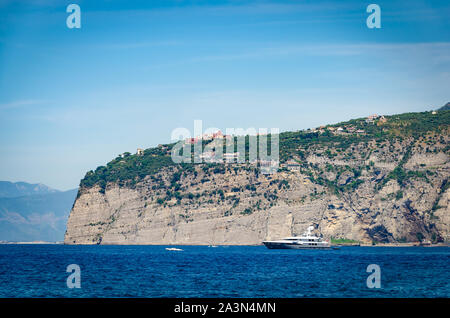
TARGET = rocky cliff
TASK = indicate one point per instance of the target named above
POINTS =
(388, 182)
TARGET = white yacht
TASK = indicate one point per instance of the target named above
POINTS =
(306, 241)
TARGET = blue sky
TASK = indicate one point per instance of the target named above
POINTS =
(72, 99)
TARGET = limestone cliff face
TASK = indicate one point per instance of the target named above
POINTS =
(349, 196)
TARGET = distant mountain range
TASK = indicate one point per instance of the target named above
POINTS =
(445, 107)
(18, 189)
(33, 212)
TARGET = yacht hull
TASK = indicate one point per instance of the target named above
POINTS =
(274, 245)
(305, 242)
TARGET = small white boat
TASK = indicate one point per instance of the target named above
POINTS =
(306, 241)
(173, 249)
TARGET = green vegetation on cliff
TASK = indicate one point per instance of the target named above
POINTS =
(332, 141)
(343, 241)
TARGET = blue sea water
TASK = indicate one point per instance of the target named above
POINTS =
(234, 271)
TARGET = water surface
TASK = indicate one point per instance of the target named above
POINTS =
(234, 271)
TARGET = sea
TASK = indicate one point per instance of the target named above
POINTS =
(223, 271)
